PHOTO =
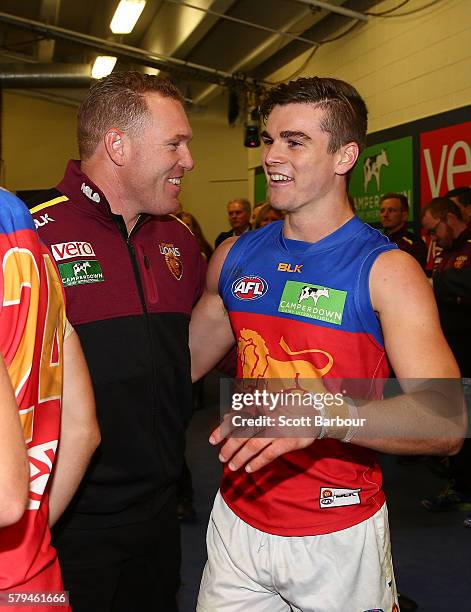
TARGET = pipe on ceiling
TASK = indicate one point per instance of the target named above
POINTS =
(19, 76)
(131, 54)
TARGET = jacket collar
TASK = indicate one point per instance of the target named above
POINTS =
(78, 187)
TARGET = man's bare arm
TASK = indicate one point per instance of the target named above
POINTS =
(14, 474)
(422, 421)
(418, 422)
(80, 434)
(210, 329)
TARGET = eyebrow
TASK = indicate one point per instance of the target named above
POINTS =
(180, 137)
(294, 134)
(286, 134)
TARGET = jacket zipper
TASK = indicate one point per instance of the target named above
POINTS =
(140, 288)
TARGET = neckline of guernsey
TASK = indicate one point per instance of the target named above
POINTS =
(333, 240)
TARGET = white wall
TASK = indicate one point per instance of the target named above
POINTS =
(220, 172)
(406, 68)
(38, 137)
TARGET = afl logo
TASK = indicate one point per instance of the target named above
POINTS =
(249, 288)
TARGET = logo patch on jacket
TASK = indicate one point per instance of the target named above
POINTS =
(82, 272)
(172, 259)
(67, 250)
(313, 302)
(91, 195)
(43, 220)
(460, 261)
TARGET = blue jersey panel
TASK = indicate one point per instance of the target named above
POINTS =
(14, 215)
(325, 283)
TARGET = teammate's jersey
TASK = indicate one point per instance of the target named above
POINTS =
(31, 329)
(303, 311)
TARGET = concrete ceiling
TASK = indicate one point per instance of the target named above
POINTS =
(199, 49)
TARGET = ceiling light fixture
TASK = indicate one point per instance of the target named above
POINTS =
(103, 65)
(126, 16)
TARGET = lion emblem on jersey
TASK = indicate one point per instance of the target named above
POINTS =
(258, 363)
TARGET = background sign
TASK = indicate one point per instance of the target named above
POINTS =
(445, 160)
(383, 167)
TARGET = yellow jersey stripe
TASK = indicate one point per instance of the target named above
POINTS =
(49, 203)
(182, 222)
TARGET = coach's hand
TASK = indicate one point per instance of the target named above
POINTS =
(255, 453)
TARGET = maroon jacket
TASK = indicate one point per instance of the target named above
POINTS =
(452, 287)
(130, 299)
(408, 242)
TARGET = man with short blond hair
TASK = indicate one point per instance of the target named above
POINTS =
(132, 272)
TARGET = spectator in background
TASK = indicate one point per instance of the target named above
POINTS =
(239, 218)
(255, 210)
(190, 221)
(462, 197)
(267, 214)
(393, 213)
(442, 219)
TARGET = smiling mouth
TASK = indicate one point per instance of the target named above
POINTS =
(280, 178)
(175, 181)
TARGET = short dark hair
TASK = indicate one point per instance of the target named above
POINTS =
(345, 116)
(118, 101)
(396, 196)
(440, 207)
(463, 194)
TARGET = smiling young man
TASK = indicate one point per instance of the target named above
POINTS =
(300, 523)
(131, 273)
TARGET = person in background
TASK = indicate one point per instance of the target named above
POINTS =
(267, 214)
(45, 381)
(238, 212)
(442, 220)
(192, 223)
(393, 214)
(462, 197)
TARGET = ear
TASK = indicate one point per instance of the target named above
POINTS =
(347, 156)
(451, 219)
(404, 215)
(115, 145)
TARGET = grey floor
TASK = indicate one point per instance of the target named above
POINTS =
(432, 552)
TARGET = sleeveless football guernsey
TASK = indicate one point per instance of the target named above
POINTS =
(302, 311)
(32, 316)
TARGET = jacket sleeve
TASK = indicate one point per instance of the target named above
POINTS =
(453, 286)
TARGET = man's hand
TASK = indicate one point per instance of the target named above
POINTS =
(254, 452)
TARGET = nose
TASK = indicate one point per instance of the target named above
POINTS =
(272, 154)
(186, 160)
